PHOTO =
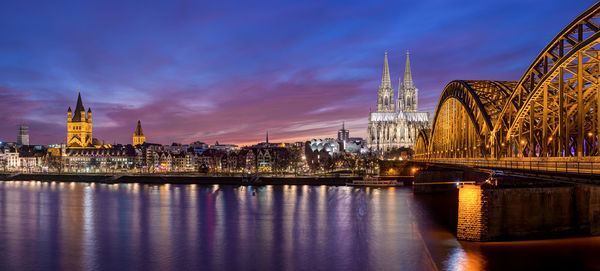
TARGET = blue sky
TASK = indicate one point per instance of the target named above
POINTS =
(229, 71)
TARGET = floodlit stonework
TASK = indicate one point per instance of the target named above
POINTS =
(395, 124)
(138, 137)
(79, 126)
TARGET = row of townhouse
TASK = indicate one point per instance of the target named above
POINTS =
(115, 159)
(144, 158)
(23, 158)
(248, 159)
(158, 158)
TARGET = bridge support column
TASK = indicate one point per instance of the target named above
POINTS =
(563, 136)
(581, 109)
(488, 212)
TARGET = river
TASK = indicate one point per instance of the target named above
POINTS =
(81, 226)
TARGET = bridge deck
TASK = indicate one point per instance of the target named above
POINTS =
(554, 168)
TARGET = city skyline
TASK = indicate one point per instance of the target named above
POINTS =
(289, 69)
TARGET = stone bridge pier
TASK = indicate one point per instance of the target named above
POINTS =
(511, 210)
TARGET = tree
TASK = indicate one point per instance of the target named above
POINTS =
(281, 162)
(371, 160)
(295, 154)
(327, 162)
(351, 162)
(55, 162)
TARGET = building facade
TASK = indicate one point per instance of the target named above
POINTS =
(79, 126)
(138, 137)
(23, 137)
(395, 124)
(343, 134)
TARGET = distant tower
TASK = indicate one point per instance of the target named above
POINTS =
(79, 126)
(23, 137)
(343, 134)
(267, 138)
(385, 101)
(138, 136)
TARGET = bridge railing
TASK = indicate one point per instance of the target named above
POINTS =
(590, 167)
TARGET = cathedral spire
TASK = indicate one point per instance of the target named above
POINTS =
(385, 99)
(408, 82)
(385, 78)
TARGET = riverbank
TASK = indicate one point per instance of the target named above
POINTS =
(188, 179)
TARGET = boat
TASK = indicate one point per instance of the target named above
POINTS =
(373, 181)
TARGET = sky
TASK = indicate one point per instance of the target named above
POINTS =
(229, 71)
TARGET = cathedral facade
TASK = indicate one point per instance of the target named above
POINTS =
(396, 122)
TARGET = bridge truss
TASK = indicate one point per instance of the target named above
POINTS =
(552, 111)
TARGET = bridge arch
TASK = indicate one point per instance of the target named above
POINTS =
(421, 145)
(464, 118)
(553, 110)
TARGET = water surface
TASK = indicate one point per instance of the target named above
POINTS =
(79, 226)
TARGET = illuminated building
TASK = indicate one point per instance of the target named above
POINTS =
(328, 145)
(392, 128)
(138, 136)
(23, 137)
(79, 126)
(343, 134)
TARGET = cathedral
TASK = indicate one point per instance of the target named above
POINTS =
(396, 123)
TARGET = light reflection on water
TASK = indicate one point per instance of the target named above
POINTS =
(77, 226)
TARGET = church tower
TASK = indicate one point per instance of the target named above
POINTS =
(407, 92)
(385, 100)
(79, 126)
(138, 136)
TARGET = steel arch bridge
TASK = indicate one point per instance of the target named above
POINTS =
(552, 112)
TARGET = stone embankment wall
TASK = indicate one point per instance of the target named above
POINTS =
(489, 213)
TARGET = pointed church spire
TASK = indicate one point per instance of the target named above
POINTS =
(138, 129)
(385, 78)
(408, 82)
(78, 109)
(79, 106)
